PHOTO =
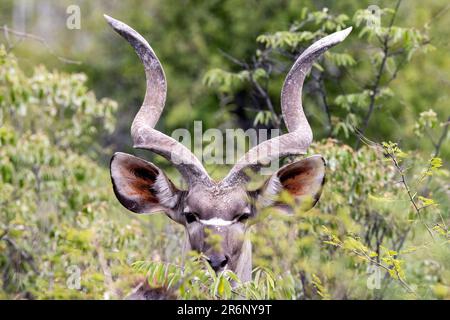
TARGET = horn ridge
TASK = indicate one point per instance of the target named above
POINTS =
(142, 130)
(299, 136)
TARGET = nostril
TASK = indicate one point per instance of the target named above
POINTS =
(224, 262)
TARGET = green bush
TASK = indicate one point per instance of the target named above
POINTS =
(57, 217)
(382, 219)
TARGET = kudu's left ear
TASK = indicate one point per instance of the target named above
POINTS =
(142, 187)
(302, 179)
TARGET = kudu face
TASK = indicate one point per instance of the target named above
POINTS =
(216, 215)
(217, 211)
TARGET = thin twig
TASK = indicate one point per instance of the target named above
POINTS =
(234, 60)
(22, 35)
(408, 191)
(268, 101)
(262, 92)
(437, 149)
(3, 234)
(27, 257)
(364, 255)
(438, 15)
(375, 87)
(109, 282)
(326, 106)
(438, 145)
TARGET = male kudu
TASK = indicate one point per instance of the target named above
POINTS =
(208, 206)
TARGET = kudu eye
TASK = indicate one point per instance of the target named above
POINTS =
(243, 217)
(190, 217)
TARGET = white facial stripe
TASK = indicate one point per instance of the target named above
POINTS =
(216, 222)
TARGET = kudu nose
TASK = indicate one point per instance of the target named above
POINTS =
(218, 262)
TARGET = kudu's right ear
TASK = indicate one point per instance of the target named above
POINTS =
(142, 187)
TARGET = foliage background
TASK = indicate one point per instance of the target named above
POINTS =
(60, 123)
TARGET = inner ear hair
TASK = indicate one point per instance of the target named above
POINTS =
(302, 179)
(140, 186)
(166, 191)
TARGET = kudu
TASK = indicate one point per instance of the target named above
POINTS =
(217, 207)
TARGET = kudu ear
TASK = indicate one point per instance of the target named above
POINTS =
(302, 179)
(142, 187)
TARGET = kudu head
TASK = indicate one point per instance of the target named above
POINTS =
(209, 207)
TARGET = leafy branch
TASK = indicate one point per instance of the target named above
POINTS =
(393, 152)
(375, 87)
(354, 246)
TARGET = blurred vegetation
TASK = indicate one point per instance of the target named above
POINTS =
(385, 207)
